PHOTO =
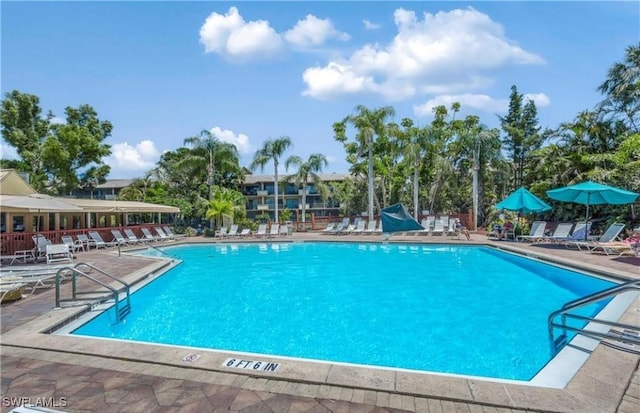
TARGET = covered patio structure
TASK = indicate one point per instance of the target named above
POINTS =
(24, 212)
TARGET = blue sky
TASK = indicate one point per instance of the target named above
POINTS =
(249, 71)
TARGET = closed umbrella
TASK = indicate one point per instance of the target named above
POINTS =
(592, 193)
(524, 202)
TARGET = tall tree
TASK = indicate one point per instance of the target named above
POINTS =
(622, 89)
(522, 134)
(58, 157)
(308, 171)
(369, 123)
(271, 150)
(207, 151)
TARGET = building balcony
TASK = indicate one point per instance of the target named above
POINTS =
(263, 207)
(263, 193)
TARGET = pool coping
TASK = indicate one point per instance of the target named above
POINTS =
(603, 378)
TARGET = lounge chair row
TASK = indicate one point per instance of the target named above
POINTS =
(359, 226)
(578, 236)
(233, 231)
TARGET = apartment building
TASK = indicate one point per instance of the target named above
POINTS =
(259, 191)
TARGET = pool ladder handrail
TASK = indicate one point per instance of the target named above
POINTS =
(558, 343)
(121, 311)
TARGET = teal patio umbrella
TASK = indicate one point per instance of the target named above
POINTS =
(524, 202)
(592, 193)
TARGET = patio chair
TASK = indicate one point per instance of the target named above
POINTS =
(330, 227)
(233, 231)
(536, 233)
(561, 233)
(438, 227)
(273, 231)
(284, 230)
(74, 246)
(609, 242)
(58, 253)
(132, 237)
(118, 238)
(161, 234)
(360, 227)
(371, 227)
(341, 226)
(86, 242)
(167, 229)
(220, 233)
(99, 242)
(262, 230)
(41, 243)
(244, 233)
(148, 236)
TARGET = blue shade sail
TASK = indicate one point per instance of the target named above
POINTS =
(396, 218)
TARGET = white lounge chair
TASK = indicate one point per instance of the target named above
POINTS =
(148, 236)
(86, 242)
(607, 242)
(438, 227)
(536, 233)
(274, 230)
(120, 239)
(161, 234)
(221, 232)
(41, 243)
(244, 233)
(561, 233)
(99, 242)
(262, 230)
(371, 227)
(58, 253)
(360, 227)
(233, 231)
(170, 233)
(74, 246)
(284, 230)
(132, 237)
(329, 228)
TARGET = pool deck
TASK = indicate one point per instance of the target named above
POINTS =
(76, 374)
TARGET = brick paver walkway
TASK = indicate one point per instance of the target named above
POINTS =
(41, 377)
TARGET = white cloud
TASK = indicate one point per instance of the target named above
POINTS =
(335, 79)
(240, 140)
(477, 101)
(141, 157)
(540, 99)
(313, 31)
(481, 102)
(56, 120)
(441, 52)
(370, 25)
(229, 35)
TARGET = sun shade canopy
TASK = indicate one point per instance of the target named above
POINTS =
(524, 202)
(396, 218)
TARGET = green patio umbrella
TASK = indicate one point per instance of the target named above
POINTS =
(524, 202)
(592, 193)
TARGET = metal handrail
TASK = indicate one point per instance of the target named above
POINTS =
(584, 301)
(115, 293)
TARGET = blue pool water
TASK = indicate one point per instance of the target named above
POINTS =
(455, 309)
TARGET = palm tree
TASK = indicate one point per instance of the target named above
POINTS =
(369, 123)
(207, 150)
(308, 169)
(622, 87)
(272, 149)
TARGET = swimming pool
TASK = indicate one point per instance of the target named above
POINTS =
(452, 309)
